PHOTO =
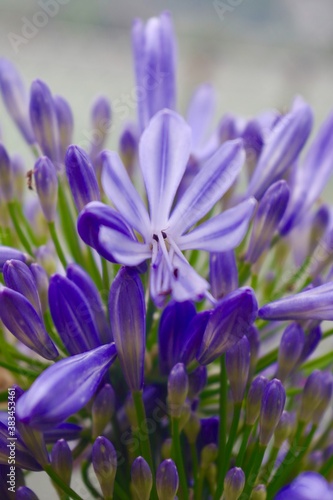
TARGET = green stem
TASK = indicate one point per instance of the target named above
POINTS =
(231, 438)
(326, 467)
(57, 244)
(26, 224)
(266, 474)
(243, 446)
(222, 425)
(56, 479)
(119, 492)
(16, 223)
(105, 274)
(254, 470)
(195, 465)
(85, 476)
(244, 273)
(178, 458)
(19, 370)
(198, 491)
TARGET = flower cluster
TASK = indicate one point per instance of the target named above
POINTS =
(162, 306)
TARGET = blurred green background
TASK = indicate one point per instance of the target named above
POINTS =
(259, 54)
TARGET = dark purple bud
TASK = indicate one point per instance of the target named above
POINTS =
(228, 323)
(15, 99)
(49, 401)
(254, 398)
(327, 390)
(280, 152)
(19, 277)
(44, 120)
(315, 393)
(167, 480)
(25, 493)
(253, 139)
(6, 175)
(42, 284)
(8, 253)
(319, 226)
(267, 218)
(272, 406)
(312, 339)
(21, 319)
(104, 460)
(72, 315)
(238, 365)
(103, 409)
(82, 280)
(101, 125)
(46, 181)
(223, 273)
(234, 483)
(193, 336)
(177, 389)
(283, 429)
(65, 124)
(34, 441)
(23, 457)
(81, 177)
(174, 322)
(197, 381)
(68, 431)
(142, 479)
(315, 303)
(128, 320)
(290, 350)
(128, 147)
(62, 460)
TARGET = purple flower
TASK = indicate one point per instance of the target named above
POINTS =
(306, 486)
(164, 151)
(46, 181)
(19, 277)
(8, 253)
(223, 273)
(101, 123)
(315, 303)
(64, 388)
(65, 124)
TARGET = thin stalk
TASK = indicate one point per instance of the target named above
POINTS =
(195, 464)
(16, 223)
(54, 236)
(56, 479)
(326, 467)
(178, 458)
(243, 446)
(222, 425)
(254, 469)
(231, 438)
(266, 473)
(198, 491)
(26, 224)
(105, 274)
(19, 370)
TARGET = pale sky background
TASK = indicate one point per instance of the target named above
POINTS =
(261, 54)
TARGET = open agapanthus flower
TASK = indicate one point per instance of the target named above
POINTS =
(168, 229)
(174, 341)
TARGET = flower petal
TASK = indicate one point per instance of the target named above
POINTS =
(208, 186)
(221, 233)
(119, 188)
(164, 150)
(200, 112)
(124, 250)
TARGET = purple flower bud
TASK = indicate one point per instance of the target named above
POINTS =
(103, 409)
(259, 493)
(315, 303)
(72, 315)
(6, 175)
(254, 398)
(290, 349)
(283, 429)
(228, 323)
(25, 493)
(314, 393)
(177, 389)
(306, 486)
(197, 381)
(253, 139)
(65, 124)
(142, 479)
(23, 457)
(42, 284)
(46, 181)
(21, 319)
(281, 150)
(167, 480)
(81, 177)
(8, 253)
(62, 460)
(128, 147)
(104, 459)
(128, 320)
(223, 273)
(49, 401)
(44, 120)
(101, 124)
(68, 431)
(270, 211)
(238, 365)
(15, 99)
(327, 390)
(228, 128)
(312, 339)
(319, 226)
(19, 277)
(154, 60)
(171, 333)
(272, 406)
(193, 336)
(234, 483)
(81, 279)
